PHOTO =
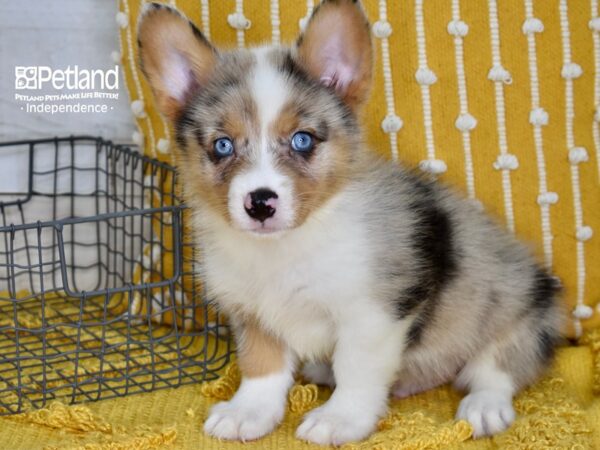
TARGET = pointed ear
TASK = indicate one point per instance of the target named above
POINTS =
(174, 56)
(336, 49)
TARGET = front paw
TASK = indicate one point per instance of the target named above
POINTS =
(328, 425)
(237, 422)
(488, 412)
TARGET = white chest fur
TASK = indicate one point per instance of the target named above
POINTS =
(297, 285)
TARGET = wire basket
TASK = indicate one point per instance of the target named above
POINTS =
(98, 293)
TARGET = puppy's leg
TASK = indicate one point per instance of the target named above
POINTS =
(259, 404)
(402, 389)
(365, 362)
(504, 367)
(488, 406)
(319, 372)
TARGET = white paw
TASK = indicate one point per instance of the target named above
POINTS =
(327, 426)
(489, 412)
(319, 373)
(241, 422)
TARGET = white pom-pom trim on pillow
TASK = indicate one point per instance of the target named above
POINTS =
(506, 162)
(547, 198)
(594, 24)
(163, 145)
(137, 138)
(578, 155)
(465, 122)
(425, 76)
(382, 29)
(499, 73)
(122, 19)
(433, 166)
(303, 22)
(584, 233)
(391, 124)
(238, 21)
(533, 25)
(582, 312)
(138, 109)
(538, 117)
(571, 71)
(458, 28)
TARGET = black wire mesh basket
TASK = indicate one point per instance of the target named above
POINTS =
(98, 292)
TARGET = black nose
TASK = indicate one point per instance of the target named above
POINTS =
(262, 204)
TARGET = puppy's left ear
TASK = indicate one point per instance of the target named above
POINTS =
(336, 49)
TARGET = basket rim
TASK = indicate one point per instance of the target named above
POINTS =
(128, 150)
(60, 223)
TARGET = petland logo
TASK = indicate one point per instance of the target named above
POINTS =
(43, 90)
(72, 78)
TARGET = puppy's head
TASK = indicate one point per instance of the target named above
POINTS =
(265, 135)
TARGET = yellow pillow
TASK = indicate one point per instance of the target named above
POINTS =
(500, 99)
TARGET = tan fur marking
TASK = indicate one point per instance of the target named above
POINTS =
(240, 120)
(286, 123)
(259, 353)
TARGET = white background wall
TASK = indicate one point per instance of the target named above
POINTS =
(55, 33)
(58, 33)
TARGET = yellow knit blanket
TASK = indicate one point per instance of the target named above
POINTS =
(561, 411)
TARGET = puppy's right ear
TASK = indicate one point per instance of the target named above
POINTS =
(175, 57)
(336, 49)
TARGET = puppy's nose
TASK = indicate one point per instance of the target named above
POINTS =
(261, 204)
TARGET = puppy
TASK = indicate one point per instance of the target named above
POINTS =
(320, 253)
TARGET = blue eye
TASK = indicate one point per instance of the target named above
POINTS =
(223, 147)
(302, 142)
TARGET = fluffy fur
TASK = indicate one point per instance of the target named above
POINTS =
(376, 279)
